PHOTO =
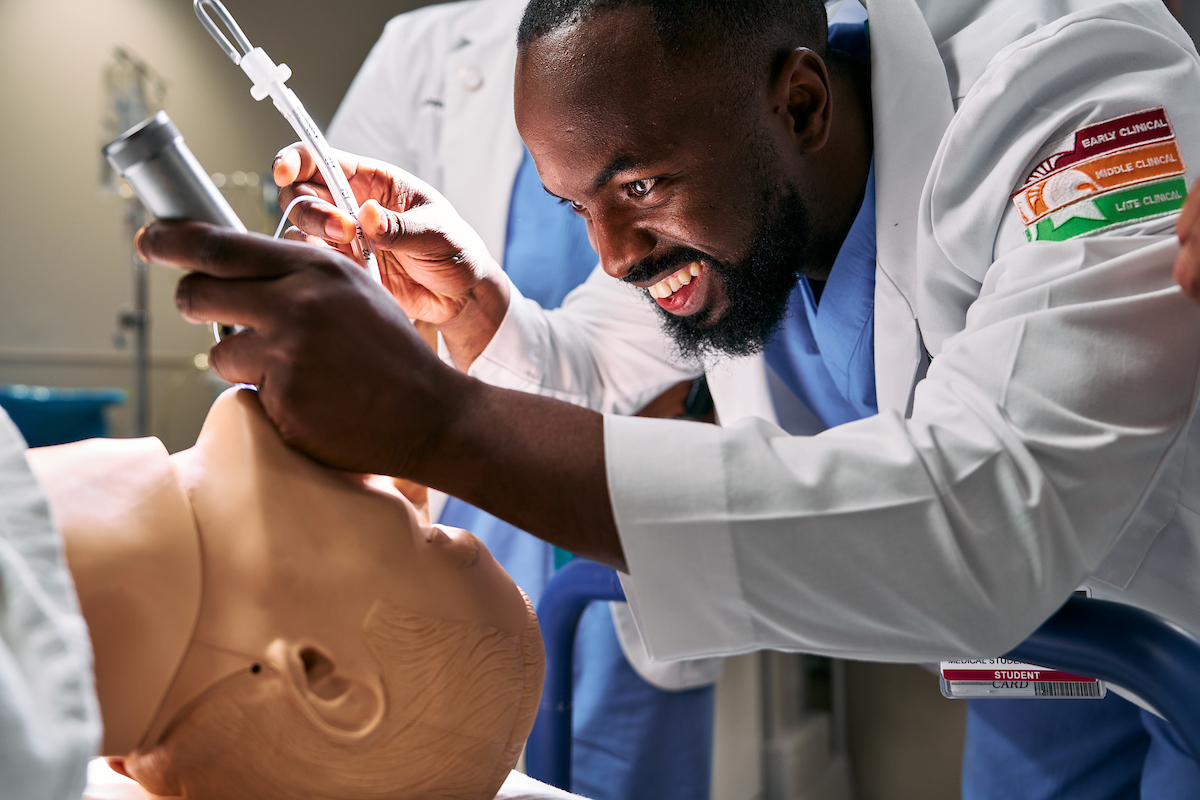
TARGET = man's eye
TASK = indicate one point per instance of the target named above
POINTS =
(640, 188)
(576, 207)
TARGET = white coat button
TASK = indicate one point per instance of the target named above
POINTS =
(471, 78)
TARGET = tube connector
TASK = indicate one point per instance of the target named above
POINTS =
(263, 72)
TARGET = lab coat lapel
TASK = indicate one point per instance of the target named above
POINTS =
(739, 389)
(481, 158)
(912, 108)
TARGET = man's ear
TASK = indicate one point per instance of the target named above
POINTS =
(343, 705)
(803, 95)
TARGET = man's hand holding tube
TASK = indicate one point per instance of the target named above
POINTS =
(433, 263)
(346, 377)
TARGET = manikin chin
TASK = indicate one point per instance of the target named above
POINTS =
(265, 627)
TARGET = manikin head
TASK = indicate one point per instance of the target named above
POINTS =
(697, 135)
(265, 627)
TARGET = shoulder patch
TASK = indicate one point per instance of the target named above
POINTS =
(1105, 175)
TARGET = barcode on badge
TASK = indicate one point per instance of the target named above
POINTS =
(1067, 690)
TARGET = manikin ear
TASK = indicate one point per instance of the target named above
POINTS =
(345, 705)
(802, 94)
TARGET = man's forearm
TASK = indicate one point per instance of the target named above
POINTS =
(532, 461)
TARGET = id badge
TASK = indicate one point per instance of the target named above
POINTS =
(1001, 678)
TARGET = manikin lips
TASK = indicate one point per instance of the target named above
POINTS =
(676, 292)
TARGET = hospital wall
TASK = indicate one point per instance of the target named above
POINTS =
(66, 263)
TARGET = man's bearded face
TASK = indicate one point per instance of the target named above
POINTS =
(757, 287)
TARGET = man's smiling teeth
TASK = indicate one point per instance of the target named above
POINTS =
(670, 284)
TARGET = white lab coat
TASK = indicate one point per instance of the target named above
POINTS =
(1047, 444)
(435, 98)
(49, 715)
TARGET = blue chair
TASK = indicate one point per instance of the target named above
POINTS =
(574, 585)
(1134, 649)
(48, 416)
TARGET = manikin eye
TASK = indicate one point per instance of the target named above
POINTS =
(640, 188)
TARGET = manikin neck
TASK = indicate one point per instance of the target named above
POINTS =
(134, 553)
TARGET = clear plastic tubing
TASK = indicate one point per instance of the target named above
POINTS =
(269, 79)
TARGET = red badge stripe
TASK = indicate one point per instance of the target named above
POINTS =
(1141, 127)
(1042, 675)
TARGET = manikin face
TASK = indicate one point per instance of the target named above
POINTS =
(678, 180)
(331, 623)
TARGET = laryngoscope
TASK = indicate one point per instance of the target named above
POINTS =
(269, 81)
(153, 158)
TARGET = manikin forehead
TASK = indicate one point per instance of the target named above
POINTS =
(602, 94)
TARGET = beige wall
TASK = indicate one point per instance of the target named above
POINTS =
(906, 740)
(65, 268)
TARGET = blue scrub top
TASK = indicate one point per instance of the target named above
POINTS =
(826, 353)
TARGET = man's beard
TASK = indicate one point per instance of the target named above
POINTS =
(757, 288)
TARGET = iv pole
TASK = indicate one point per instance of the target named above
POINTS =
(134, 92)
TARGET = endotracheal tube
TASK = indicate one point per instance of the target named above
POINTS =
(269, 81)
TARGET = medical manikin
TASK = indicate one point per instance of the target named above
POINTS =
(265, 627)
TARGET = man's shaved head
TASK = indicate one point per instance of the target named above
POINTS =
(753, 34)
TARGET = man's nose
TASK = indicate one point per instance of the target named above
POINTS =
(620, 242)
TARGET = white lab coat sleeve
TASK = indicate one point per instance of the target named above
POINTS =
(953, 533)
(1043, 424)
(49, 716)
(603, 349)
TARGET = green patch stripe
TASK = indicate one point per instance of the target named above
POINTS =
(1138, 204)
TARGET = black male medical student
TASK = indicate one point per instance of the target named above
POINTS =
(1000, 292)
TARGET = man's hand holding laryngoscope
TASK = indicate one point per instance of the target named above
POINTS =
(347, 378)
(323, 342)
(432, 262)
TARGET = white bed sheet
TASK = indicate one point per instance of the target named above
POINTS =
(104, 784)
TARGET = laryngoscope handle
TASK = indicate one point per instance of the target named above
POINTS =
(153, 158)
